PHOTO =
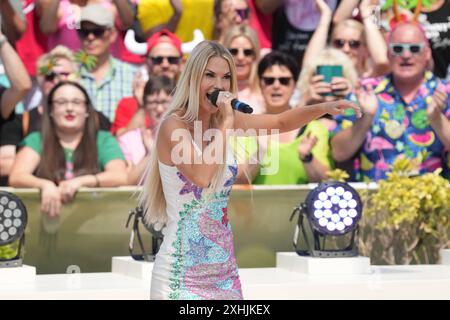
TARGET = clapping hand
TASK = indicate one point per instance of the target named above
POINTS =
(306, 144)
(436, 105)
(367, 99)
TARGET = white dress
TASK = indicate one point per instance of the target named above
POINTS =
(196, 259)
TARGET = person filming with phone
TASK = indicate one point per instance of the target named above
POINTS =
(328, 77)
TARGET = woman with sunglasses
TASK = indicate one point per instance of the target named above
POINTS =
(362, 42)
(303, 155)
(69, 153)
(243, 44)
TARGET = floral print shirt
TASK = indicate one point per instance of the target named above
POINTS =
(399, 129)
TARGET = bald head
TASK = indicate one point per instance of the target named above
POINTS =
(409, 53)
(408, 32)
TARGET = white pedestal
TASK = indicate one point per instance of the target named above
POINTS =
(128, 267)
(21, 274)
(445, 256)
(322, 266)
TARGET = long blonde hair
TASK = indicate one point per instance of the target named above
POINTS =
(250, 34)
(329, 56)
(185, 104)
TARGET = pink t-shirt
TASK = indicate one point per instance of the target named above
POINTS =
(132, 146)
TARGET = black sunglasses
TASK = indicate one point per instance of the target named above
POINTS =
(247, 52)
(159, 60)
(51, 76)
(340, 43)
(97, 32)
(268, 81)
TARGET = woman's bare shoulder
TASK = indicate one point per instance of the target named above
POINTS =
(171, 123)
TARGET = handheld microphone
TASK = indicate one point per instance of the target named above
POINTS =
(235, 103)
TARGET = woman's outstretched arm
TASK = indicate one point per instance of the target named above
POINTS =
(294, 118)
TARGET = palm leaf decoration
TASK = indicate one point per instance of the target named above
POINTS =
(48, 67)
(85, 60)
(408, 4)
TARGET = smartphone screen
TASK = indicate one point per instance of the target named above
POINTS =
(328, 72)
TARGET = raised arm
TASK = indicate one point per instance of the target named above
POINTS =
(318, 41)
(126, 14)
(17, 76)
(14, 26)
(344, 11)
(268, 6)
(172, 24)
(48, 11)
(375, 41)
(292, 119)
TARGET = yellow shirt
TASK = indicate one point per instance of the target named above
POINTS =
(197, 14)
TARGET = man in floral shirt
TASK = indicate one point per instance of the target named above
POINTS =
(406, 113)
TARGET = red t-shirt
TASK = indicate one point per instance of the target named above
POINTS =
(126, 109)
(262, 23)
(33, 42)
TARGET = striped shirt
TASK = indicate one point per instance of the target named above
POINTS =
(117, 84)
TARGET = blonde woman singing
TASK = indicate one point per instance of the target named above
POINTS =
(188, 193)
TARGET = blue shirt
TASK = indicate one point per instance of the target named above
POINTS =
(398, 129)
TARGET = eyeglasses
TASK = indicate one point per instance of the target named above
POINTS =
(398, 48)
(243, 13)
(156, 102)
(159, 59)
(247, 52)
(52, 75)
(340, 43)
(268, 81)
(97, 32)
(62, 103)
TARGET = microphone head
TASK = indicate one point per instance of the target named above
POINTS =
(248, 109)
(213, 97)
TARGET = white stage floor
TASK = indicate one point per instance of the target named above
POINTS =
(384, 282)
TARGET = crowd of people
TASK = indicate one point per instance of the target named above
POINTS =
(80, 106)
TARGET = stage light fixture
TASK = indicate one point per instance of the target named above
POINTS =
(156, 236)
(13, 220)
(332, 209)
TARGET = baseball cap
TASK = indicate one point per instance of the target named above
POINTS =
(164, 36)
(98, 14)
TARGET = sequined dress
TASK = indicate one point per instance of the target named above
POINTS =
(196, 259)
